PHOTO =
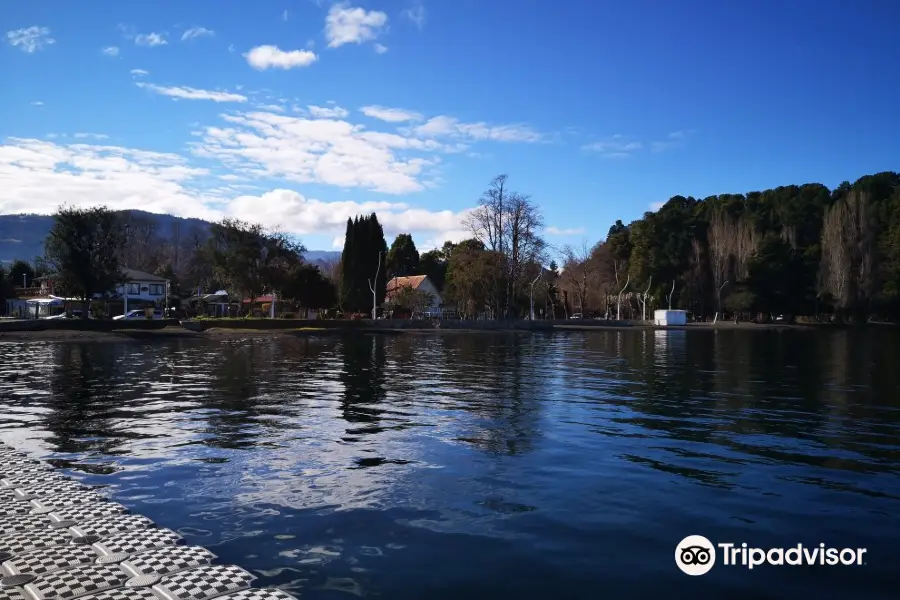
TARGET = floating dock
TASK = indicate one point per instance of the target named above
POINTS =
(61, 540)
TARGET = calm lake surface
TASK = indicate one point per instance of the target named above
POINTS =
(488, 465)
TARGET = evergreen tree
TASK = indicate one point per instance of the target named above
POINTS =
(363, 242)
(83, 249)
(402, 258)
(348, 272)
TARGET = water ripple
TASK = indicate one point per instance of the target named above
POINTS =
(434, 466)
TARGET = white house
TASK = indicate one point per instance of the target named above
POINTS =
(142, 286)
(420, 283)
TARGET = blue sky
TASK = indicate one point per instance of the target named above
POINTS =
(300, 113)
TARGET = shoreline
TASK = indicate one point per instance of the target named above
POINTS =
(178, 332)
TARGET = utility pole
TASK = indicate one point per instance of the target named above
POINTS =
(536, 279)
(125, 282)
(373, 288)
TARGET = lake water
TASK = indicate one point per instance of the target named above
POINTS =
(488, 465)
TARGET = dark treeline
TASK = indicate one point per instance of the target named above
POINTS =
(87, 250)
(793, 250)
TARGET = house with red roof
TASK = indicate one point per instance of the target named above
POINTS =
(419, 283)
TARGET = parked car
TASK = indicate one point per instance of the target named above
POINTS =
(76, 314)
(576, 316)
(139, 315)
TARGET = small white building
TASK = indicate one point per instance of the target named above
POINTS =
(669, 317)
(142, 286)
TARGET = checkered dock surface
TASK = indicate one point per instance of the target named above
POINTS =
(60, 540)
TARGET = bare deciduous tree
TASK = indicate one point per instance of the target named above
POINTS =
(578, 272)
(642, 299)
(509, 224)
(732, 242)
(847, 269)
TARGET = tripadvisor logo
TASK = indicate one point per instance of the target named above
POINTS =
(696, 555)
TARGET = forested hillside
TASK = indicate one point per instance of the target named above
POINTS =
(793, 249)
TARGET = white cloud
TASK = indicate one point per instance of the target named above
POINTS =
(284, 16)
(139, 72)
(655, 206)
(444, 126)
(451, 235)
(320, 147)
(675, 139)
(352, 25)
(272, 107)
(96, 136)
(417, 15)
(572, 231)
(111, 51)
(36, 174)
(150, 39)
(271, 57)
(188, 93)
(196, 32)
(329, 112)
(381, 48)
(30, 39)
(298, 214)
(37, 103)
(235, 163)
(391, 115)
(616, 146)
(231, 48)
(328, 151)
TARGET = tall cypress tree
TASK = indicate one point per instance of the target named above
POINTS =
(379, 246)
(347, 267)
(359, 261)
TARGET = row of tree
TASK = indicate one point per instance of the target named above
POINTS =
(87, 249)
(793, 250)
(489, 273)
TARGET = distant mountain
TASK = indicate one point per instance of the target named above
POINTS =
(22, 236)
(322, 256)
